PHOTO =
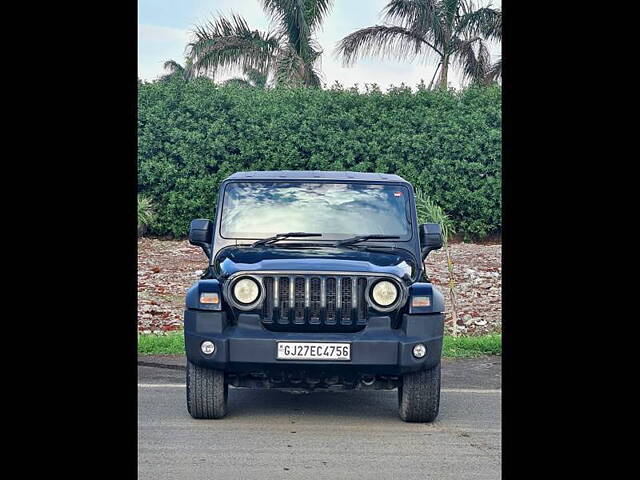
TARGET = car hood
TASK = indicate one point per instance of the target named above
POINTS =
(398, 262)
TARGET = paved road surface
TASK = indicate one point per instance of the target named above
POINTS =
(269, 434)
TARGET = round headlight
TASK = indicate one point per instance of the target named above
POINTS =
(246, 291)
(384, 293)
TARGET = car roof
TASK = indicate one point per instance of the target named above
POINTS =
(317, 175)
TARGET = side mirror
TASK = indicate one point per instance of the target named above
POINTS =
(430, 238)
(201, 234)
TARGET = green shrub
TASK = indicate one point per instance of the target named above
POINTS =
(191, 136)
(145, 213)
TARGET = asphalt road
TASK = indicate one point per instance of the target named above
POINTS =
(322, 435)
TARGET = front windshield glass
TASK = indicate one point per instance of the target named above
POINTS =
(337, 210)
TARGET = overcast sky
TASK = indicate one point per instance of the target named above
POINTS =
(164, 25)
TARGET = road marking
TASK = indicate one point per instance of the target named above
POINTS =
(162, 385)
(470, 390)
(445, 390)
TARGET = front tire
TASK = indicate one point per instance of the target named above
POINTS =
(419, 395)
(207, 392)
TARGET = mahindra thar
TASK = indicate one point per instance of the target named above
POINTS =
(314, 280)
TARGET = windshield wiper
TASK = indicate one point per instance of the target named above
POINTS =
(282, 236)
(363, 238)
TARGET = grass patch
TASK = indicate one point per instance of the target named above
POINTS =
(472, 346)
(173, 344)
(170, 344)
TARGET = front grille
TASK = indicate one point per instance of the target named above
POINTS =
(311, 302)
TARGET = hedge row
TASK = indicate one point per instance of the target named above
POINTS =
(191, 136)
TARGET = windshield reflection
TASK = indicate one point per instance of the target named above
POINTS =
(337, 210)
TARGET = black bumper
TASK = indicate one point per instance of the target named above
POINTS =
(248, 346)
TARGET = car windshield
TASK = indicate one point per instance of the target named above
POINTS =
(337, 210)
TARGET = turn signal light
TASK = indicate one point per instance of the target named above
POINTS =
(209, 297)
(421, 301)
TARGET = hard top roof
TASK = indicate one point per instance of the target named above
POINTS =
(317, 175)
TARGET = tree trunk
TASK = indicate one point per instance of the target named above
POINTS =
(434, 76)
(442, 81)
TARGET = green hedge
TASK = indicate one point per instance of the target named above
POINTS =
(191, 136)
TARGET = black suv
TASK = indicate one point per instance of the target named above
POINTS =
(315, 280)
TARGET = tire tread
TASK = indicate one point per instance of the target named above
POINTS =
(419, 395)
(206, 392)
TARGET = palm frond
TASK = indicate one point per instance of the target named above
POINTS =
(472, 56)
(383, 41)
(494, 73)
(297, 21)
(450, 12)
(188, 69)
(429, 212)
(483, 21)
(146, 212)
(317, 11)
(420, 16)
(223, 44)
(289, 52)
(290, 16)
(307, 15)
(452, 29)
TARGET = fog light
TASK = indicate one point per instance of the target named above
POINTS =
(208, 347)
(419, 351)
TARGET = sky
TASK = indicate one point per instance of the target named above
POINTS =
(164, 26)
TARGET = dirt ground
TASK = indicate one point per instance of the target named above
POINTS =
(167, 268)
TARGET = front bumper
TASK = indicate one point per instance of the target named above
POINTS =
(248, 347)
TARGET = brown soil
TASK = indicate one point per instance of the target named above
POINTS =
(167, 268)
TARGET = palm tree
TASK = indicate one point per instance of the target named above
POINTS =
(176, 70)
(455, 31)
(289, 53)
(488, 23)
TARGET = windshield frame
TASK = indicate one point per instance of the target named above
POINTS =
(409, 204)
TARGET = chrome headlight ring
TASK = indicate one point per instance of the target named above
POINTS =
(230, 293)
(401, 295)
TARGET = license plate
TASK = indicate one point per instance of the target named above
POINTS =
(313, 351)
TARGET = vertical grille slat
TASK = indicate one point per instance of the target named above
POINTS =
(330, 296)
(346, 301)
(314, 301)
(362, 302)
(276, 298)
(283, 302)
(299, 301)
(267, 305)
